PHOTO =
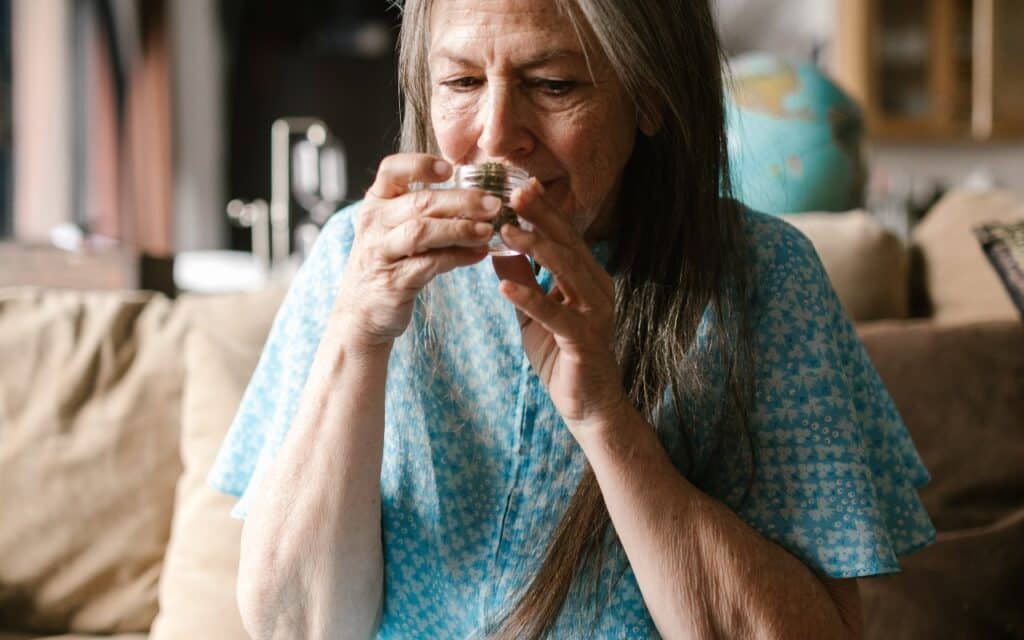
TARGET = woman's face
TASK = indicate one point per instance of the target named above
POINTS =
(510, 83)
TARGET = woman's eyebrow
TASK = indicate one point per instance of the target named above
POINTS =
(545, 57)
(537, 60)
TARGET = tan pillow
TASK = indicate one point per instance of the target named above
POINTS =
(961, 283)
(197, 588)
(90, 395)
(867, 264)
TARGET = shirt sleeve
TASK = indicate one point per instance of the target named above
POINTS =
(836, 473)
(271, 398)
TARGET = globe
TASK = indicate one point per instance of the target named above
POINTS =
(795, 138)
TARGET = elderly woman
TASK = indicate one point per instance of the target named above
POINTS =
(654, 421)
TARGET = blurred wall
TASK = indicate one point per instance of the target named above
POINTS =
(199, 187)
(794, 28)
(41, 115)
(922, 165)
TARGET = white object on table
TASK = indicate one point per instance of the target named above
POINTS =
(225, 272)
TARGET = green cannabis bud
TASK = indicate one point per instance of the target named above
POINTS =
(492, 177)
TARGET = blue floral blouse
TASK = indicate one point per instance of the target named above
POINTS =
(478, 466)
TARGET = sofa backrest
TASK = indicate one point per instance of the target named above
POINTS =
(867, 264)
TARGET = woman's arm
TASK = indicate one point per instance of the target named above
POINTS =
(312, 562)
(311, 557)
(703, 572)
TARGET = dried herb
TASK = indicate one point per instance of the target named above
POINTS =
(492, 177)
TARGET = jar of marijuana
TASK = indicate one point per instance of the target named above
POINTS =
(500, 180)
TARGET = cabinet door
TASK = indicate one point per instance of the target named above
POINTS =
(909, 63)
(934, 69)
(1007, 67)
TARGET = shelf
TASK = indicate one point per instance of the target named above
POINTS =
(42, 265)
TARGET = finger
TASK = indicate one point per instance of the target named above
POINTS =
(440, 203)
(578, 283)
(420, 235)
(396, 172)
(417, 271)
(531, 204)
(554, 317)
(517, 269)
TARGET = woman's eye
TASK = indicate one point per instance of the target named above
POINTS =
(462, 84)
(554, 87)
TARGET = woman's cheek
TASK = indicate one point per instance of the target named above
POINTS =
(453, 126)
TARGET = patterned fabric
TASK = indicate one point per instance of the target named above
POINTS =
(479, 468)
(1003, 244)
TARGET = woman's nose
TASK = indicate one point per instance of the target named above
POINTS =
(504, 132)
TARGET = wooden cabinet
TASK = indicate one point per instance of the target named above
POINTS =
(934, 69)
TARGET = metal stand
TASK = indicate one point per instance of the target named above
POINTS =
(317, 169)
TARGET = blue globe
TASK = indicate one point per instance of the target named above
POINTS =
(795, 138)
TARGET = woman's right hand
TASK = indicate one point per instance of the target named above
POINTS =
(404, 238)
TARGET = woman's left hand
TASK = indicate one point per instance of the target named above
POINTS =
(567, 333)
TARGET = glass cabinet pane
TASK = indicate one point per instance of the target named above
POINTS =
(903, 53)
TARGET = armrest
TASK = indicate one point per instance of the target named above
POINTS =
(960, 390)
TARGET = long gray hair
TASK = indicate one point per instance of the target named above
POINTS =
(686, 259)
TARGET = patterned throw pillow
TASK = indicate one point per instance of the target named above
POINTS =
(1004, 246)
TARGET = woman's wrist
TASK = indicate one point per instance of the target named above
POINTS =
(355, 343)
(608, 424)
(348, 331)
(357, 348)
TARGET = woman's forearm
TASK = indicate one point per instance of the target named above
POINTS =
(703, 572)
(311, 557)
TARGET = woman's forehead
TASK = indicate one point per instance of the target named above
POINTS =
(527, 30)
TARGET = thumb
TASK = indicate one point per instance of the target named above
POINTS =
(517, 269)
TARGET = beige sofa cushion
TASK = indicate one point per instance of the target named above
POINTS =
(962, 285)
(90, 387)
(197, 588)
(867, 264)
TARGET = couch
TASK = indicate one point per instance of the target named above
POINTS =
(113, 404)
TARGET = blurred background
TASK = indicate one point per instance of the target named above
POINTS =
(140, 132)
(132, 124)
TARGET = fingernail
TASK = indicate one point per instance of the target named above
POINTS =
(491, 203)
(441, 168)
(537, 185)
(483, 229)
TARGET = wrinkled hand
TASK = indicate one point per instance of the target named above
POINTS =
(567, 333)
(403, 239)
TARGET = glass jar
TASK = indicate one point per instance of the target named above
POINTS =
(500, 180)
(497, 179)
